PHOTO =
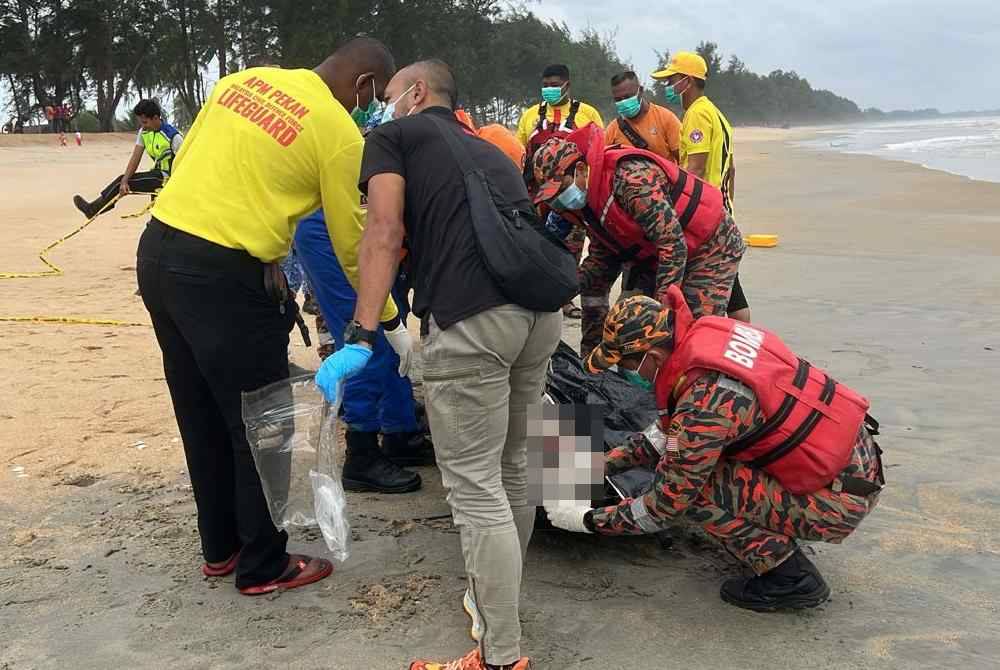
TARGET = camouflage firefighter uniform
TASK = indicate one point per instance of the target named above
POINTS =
(705, 276)
(744, 508)
(641, 189)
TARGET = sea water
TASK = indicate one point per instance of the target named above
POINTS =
(968, 146)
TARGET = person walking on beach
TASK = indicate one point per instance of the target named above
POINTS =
(753, 444)
(639, 209)
(269, 146)
(706, 142)
(157, 138)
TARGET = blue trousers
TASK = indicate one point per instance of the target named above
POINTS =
(376, 399)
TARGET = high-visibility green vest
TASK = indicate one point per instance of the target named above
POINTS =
(158, 144)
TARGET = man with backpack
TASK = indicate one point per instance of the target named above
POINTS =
(485, 353)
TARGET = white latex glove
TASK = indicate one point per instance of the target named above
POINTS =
(402, 342)
(567, 516)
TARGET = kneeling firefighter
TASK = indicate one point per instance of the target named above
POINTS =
(753, 444)
(640, 210)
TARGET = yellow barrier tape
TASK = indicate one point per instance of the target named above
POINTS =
(54, 270)
(70, 320)
(141, 212)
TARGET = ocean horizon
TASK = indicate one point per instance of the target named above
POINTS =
(966, 146)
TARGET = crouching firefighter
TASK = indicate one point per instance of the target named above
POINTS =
(754, 445)
(642, 212)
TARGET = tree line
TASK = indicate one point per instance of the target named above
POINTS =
(92, 54)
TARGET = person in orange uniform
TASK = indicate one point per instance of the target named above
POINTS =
(706, 141)
(497, 135)
(642, 124)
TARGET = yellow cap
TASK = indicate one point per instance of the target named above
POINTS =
(684, 62)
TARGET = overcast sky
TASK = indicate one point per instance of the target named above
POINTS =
(884, 53)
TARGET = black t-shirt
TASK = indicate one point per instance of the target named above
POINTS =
(449, 278)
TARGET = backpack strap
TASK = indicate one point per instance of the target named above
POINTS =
(632, 134)
(542, 111)
(574, 107)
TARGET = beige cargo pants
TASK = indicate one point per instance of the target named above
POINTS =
(479, 377)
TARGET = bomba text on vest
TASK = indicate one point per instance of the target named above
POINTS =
(743, 346)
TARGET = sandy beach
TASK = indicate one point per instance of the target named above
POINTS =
(887, 274)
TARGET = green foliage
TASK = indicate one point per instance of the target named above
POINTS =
(86, 121)
(104, 51)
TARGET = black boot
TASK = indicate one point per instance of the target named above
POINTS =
(367, 469)
(85, 207)
(795, 584)
(408, 449)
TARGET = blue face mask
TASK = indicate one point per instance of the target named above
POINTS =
(634, 378)
(629, 107)
(573, 198)
(363, 116)
(552, 94)
(672, 95)
(389, 113)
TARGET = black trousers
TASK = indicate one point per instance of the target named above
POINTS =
(139, 182)
(737, 299)
(220, 335)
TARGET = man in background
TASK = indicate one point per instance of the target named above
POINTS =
(706, 149)
(556, 115)
(642, 124)
(157, 138)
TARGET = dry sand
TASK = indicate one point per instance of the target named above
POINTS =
(887, 274)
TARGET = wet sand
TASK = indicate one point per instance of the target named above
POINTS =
(887, 274)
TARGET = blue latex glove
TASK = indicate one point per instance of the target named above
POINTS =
(346, 361)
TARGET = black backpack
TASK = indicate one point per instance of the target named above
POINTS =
(530, 266)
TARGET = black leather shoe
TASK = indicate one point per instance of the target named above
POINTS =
(408, 449)
(795, 584)
(367, 469)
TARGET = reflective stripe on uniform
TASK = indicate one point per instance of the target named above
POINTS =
(642, 517)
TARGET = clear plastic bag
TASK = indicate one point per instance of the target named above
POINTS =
(292, 432)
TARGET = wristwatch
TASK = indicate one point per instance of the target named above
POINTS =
(354, 333)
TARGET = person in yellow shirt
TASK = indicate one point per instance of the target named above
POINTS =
(268, 147)
(706, 149)
(642, 124)
(555, 116)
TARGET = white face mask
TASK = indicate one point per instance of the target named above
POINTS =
(389, 113)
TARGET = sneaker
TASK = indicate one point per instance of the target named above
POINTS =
(469, 605)
(471, 661)
(794, 584)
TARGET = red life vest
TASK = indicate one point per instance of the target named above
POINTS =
(544, 131)
(699, 205)
(811, 421)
